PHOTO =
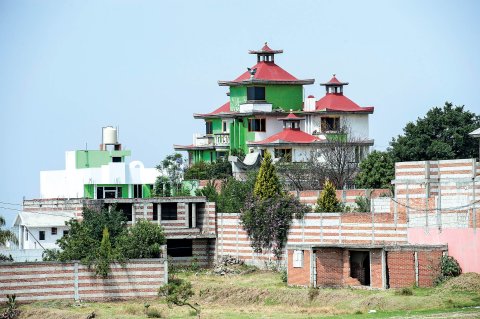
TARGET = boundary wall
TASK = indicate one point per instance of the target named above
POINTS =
(34, 281)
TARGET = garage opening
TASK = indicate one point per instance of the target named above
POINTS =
(360, 266)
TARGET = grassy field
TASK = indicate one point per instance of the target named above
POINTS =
(262, 294)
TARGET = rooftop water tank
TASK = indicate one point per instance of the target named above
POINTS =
(109, 135)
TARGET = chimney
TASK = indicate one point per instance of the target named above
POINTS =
(309, 105)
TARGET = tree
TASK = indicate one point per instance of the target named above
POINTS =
(327, 201)
(267, 184)
(267, 221)
(219, 169)
(105, 255)
(377, 170)
(6, 235)
(233, 193)
(300, 176)
(339, 157)
(171, 184)
(92, 240)
(142, 240)
(441, 134)
(178, 292)
(102, 238)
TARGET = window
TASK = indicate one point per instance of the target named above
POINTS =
(116, 159)
(41, 235)
(224, 126)
(54, 230)
(127, 209)
(298, 258)
(179, 247)
(208, 127)
(169, 211)
(256, 125)
(255, 93)
(137, 191)
(330, 124)
(359, 154)
(155, 211)
(65, 233)
(284, 153)
(109, 192)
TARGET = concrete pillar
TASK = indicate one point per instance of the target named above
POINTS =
(194, 215)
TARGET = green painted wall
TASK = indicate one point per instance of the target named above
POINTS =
(204, 156)
(238, 95)
(92, 158)
(285, 97)
(239, 134)
(146, 191)
(88, 191)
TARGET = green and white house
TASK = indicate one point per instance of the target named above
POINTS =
(267, 111)
(98, 174)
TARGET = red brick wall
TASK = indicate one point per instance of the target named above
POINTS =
(299, 276)
(376, 277)
(401, 268)
(428, 267)
(330, 267)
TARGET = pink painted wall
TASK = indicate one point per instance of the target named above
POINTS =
(463, 244)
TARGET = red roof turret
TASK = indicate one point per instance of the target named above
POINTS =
(266, 71)
(334, 100)
(288, 135)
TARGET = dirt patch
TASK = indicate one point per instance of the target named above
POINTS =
(469, 281)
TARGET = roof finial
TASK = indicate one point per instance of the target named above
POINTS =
(291, 111)
(334, 74)
(265, 43)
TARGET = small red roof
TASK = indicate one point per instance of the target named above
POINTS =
(311, 96)
(289, 135)
(339, 102)
(334, 81)
(265, 49)
(267, 71)
(290, 116)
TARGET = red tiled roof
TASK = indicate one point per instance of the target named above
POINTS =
(289, 135)
(266, 48)
(339, 102)
(222, 109)
(225, 108)
(267, 71)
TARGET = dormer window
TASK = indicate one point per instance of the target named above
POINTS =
(255, 93)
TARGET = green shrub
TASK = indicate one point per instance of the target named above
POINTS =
(449, 267)
(404, 292)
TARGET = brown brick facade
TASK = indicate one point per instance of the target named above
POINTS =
(299, 276)
(330, 267)
(401, 268)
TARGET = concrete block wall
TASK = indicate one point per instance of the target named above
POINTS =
(201, 254)
(73, 281)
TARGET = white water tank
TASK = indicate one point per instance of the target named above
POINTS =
(109, 135)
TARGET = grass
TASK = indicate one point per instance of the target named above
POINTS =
(262, 294)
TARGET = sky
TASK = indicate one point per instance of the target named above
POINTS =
(68, 68)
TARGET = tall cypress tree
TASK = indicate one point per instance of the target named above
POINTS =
(267, 184)
(327, 201)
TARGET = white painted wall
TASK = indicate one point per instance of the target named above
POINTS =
(69, 183)
(29, 242)
(273, 126)
(357, 123)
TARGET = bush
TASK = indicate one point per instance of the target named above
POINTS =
(449, 268)
(404, 292)
(363, 204)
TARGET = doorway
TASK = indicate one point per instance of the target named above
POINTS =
(360, 266)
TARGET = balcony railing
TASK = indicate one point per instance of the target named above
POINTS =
(218, 139)
(222, 139)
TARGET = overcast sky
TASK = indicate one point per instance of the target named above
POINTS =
(67, 68)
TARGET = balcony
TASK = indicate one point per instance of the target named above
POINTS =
(222, 139)
(218, 139)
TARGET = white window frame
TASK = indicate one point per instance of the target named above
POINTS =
(298, 258)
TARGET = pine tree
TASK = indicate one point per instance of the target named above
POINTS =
(267, 184)
(327, 201)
